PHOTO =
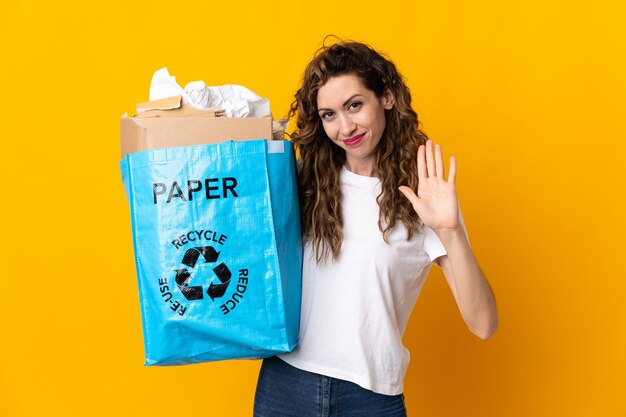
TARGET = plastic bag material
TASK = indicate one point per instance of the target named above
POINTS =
(218, 251)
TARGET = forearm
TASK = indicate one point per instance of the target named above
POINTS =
(474, 295)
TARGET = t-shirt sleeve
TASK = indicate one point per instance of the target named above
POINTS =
(432, 244)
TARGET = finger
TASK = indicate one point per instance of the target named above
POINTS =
(410, 194)
(430, 161)
(421, 163)
(439, 162)
(452, 173)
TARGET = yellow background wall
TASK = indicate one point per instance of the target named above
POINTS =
(529, 96)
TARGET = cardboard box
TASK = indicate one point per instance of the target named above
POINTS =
(174, 107)
(169, 123)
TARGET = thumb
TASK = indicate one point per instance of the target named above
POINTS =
(410, 194)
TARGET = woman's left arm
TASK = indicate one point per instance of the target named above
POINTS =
(469, 286)
(437, 205)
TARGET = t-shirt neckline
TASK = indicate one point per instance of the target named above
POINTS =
(356, 179)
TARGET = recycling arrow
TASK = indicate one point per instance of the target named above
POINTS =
(191, 293)
(191, 256)
(223, 274)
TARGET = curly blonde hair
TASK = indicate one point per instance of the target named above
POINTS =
(321, 159)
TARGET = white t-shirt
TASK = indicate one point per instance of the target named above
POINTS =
(355, 309)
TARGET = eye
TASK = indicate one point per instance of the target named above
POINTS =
(354, 105)
(326, 114)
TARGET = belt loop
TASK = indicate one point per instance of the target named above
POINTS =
(321, 394)
(325, 400)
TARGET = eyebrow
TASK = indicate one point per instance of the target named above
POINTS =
(344, 103)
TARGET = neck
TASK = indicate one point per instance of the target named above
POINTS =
(363, 168)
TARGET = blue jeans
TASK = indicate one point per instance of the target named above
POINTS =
(285, 391)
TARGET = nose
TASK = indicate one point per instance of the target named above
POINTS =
(347, 126)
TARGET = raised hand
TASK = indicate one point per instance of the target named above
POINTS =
(435, 202)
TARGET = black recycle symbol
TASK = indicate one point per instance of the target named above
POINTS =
(221, 272)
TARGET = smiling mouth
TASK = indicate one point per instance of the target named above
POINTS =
(354, 140)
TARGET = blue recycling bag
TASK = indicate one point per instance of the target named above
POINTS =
(218, 251)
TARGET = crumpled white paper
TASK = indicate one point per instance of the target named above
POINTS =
(236, 100)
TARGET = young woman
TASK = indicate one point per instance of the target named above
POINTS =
(376, 212)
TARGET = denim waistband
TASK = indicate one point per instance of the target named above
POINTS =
(284, 390)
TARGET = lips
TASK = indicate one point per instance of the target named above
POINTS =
(354, 140)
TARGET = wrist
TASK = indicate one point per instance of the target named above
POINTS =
(450, 235)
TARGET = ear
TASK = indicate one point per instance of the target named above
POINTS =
(388, 99)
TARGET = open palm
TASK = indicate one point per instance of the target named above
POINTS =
(435, 202)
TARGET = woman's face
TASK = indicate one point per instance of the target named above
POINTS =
(354, 119)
